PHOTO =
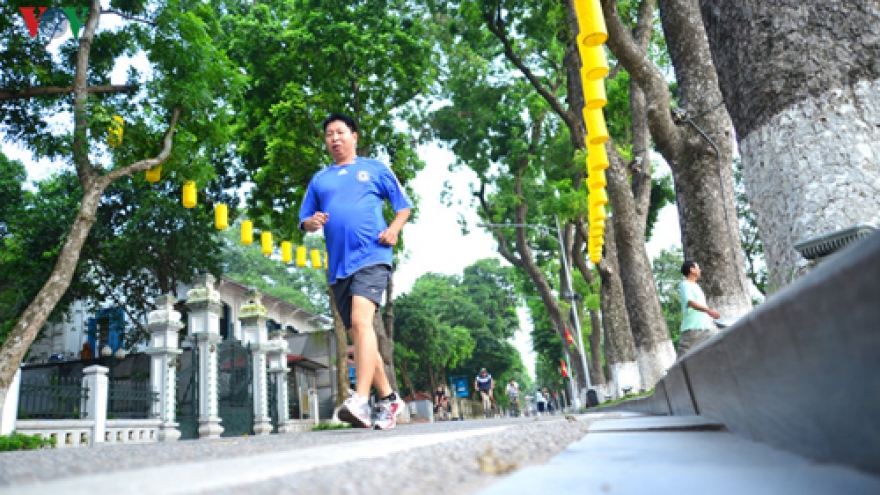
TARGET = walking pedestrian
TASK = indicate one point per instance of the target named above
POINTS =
(696, 322)
(345, 200)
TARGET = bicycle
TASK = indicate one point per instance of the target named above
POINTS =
(488, 404)
(514, 407)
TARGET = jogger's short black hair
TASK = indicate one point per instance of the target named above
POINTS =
(686, 267)
(333, 117)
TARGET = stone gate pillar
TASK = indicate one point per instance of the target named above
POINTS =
(278, 368)
(203, 330)
(163, 325)
(254, 333)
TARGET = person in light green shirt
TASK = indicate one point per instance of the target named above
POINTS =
(696, 323)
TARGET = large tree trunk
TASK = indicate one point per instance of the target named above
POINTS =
(702, 165)
(93, 184)
(802, 84)
(697, 147)
(619, 347)
(654, 350)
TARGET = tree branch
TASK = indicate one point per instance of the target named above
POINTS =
(149, 163)
(9, 94)
(129, 17)
(502, 242)
(569, 117)
(646, 74)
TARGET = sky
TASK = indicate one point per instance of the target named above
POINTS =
(434, 242)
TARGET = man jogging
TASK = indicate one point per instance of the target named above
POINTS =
(345, 199)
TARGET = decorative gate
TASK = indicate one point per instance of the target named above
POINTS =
(236, 404)
(187, 411)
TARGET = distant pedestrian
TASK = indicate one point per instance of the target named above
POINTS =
(696, 322)
(346, 201)
(541, 401)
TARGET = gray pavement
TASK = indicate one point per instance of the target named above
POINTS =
(592, 453)
(681, 456)
(340, 461)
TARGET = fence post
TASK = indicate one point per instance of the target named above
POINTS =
(205, 309)
(253, 318)
(278, 367)
(163, 325)
(9, 406)
(95, 379)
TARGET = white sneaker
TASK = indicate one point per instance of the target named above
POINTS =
(355, 411)
(388, 412)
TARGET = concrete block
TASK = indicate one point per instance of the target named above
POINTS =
(658, 403)
(715, 388)
(680, 401)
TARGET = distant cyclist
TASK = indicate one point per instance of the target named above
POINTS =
(513, 393)
(484, 383)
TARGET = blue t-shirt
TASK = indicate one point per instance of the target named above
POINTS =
(484, 382)
(352, 195)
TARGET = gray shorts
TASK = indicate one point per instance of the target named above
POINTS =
(370, 282)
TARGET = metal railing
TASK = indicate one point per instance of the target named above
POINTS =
(131, 399)
(52, 397)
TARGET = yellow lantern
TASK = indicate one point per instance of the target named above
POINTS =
(266, 242)
(286, 252)
(594, 63)
(597, 158)
(597, 133)
(593, 31)
(597, 214)
(598, 198)
(596, 180)
(114, 133)
(247, 232)
(301, 255)
(154, 174)
(189, 194)
(598, 240)
(326, 261)
(594, 92)
(221, 216)
(596, 257)
(316, 258)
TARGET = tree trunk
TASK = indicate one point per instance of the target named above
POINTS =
(620, 348)
(93, 185)
(702, 165)
(340, 334)
(802, 84)
(654, 350)
(696, 146)
(385, 336)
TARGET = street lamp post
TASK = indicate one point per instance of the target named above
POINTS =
(577, 324)
(568, 294)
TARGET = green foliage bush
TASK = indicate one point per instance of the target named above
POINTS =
(20, 441)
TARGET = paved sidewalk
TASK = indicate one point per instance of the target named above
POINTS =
(680, 456)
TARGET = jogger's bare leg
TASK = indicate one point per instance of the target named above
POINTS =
(367, 360)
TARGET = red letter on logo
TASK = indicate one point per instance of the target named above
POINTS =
(31, 19)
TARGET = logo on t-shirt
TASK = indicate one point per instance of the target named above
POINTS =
(363, 176)
(343, 172)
